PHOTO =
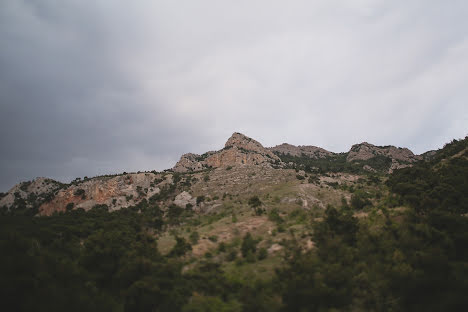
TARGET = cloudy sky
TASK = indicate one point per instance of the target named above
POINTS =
(94, 87)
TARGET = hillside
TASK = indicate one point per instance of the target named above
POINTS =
(246, 228)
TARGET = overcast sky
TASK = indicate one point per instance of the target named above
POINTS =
(95, 87)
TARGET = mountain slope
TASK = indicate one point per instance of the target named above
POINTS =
(245, 237)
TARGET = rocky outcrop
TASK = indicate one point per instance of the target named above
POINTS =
(238, 150)
(301, 150)
(365, 151)
(190, 162)
(115, 192)
(184, 199)
(29, 194)
(400, 157)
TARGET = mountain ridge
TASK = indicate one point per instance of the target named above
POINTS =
(129, 189)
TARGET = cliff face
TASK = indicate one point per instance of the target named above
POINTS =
(301, 150)
(238, 150)
(116, 192)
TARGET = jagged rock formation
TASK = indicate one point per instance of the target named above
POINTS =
(238, 150)
(301, 150)
(116, 192)
(400, 157)
(365, 151)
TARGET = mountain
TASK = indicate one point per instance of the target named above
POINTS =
(45, 196)
(246, 228)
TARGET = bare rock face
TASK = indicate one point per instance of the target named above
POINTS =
(189, 162)
(183, 199)
(27, 194)
(115, 192)
(306, 150)
(400, 157)
(238, 150)
(365, 151)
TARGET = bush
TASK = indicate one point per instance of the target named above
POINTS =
(255, 202)
(194, 237)
(200, 199)
(248, 245)
(69, 206)
(181, 247)
(262, 254)
(359, 200)
(222, 247)
(213, 238)
(232, 255)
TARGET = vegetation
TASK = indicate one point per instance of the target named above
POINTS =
(336, 163)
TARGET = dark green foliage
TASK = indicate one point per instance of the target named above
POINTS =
(213, 238)
(300, 177)
(359, 200)
(313, 178)
(222, 247)
(438, 185)
(194, 237)
(174, 213)
(69, 206)
(417, 264)
(249, 245)
(200, 199)
(274, 216)
(262, 253)
(181, 247)
(255, 203)
(79, 192)
(91, 261)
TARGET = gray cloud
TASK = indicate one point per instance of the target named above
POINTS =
(93, 87)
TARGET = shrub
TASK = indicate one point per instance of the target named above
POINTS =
(248, 245)
(69, 206)
(194, 237)
(213, 238)
(200, 199)
(262, 254)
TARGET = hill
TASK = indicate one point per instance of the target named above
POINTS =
(246, 228)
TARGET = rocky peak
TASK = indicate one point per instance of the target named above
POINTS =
(238, 150)
(244, 142)
(400, 157)
(364, 151)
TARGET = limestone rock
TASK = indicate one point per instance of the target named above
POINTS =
(239, 150)
(365, 151)
(116, 192)
(29, 193)
(400, 157)
(306, 150)
(183, 199)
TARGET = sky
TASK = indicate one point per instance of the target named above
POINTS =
(95, 87)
